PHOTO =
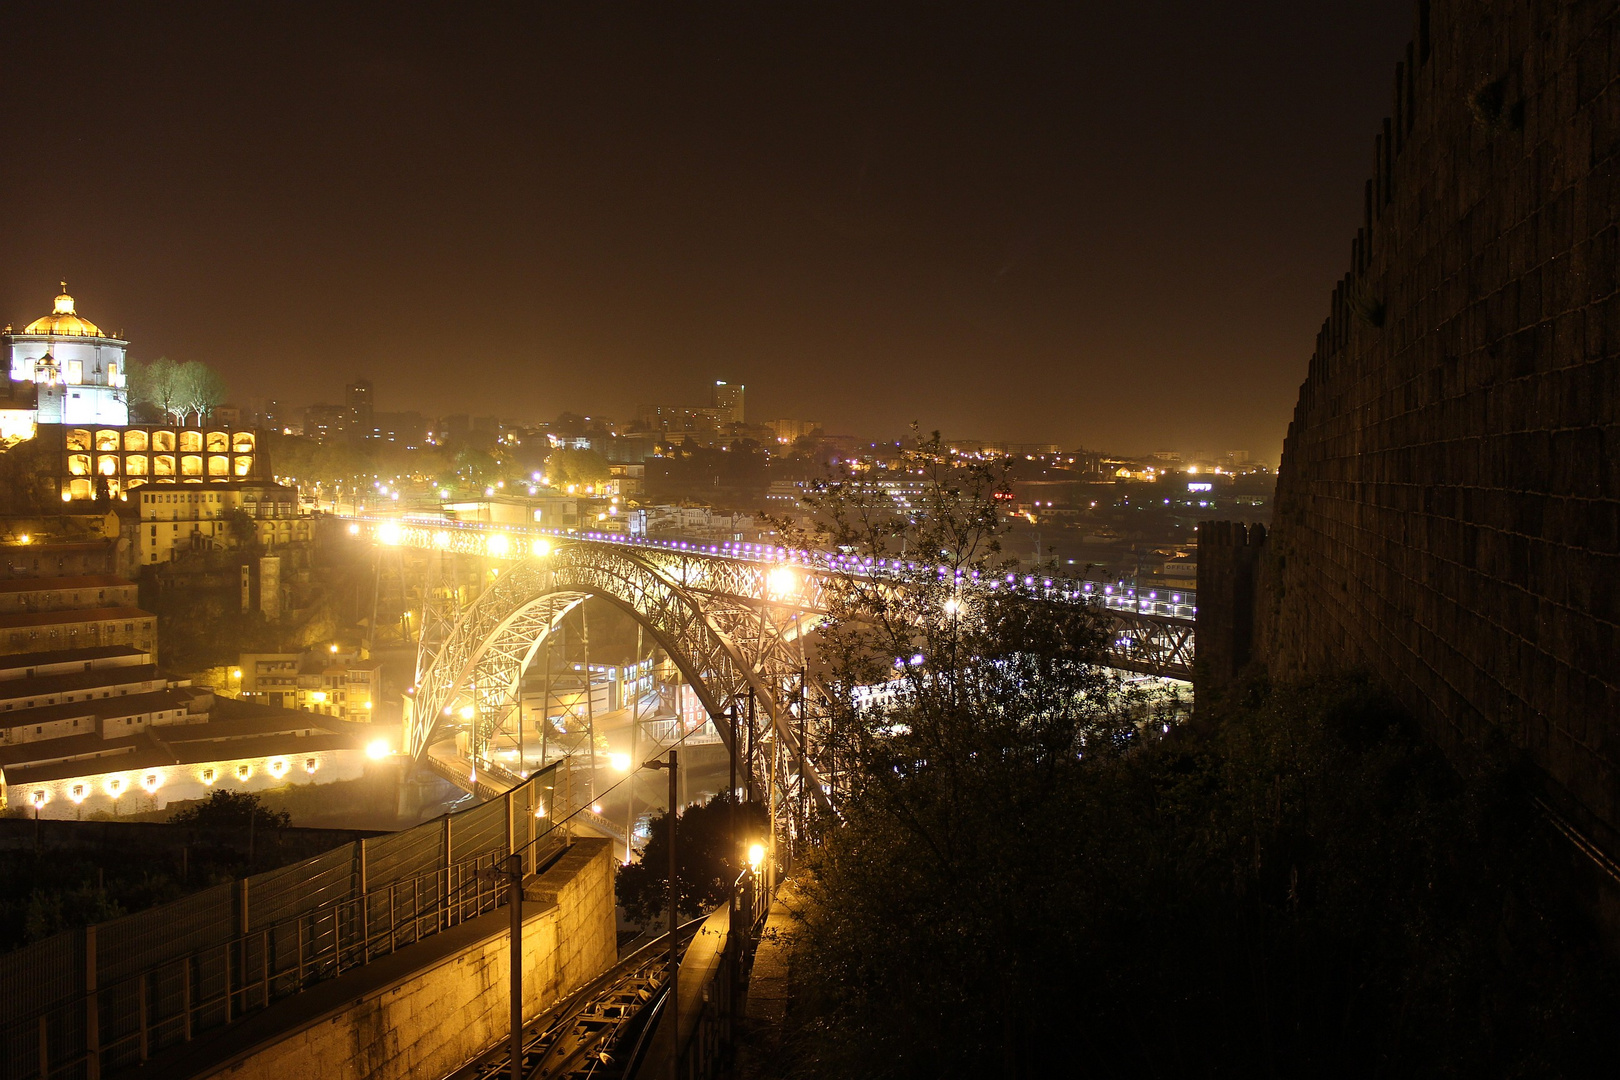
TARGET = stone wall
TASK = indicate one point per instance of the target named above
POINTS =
(1448, 509)
(435, 1018)
(1228, 557)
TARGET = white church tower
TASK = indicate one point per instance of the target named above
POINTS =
(79, 373)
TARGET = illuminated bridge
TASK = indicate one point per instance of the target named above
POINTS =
(731, 617)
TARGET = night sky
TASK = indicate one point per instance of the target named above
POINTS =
(1103, 225)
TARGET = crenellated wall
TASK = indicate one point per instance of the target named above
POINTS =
(1448, 508)
(1229, 555)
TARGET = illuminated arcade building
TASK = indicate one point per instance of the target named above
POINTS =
(113, 460)
(69, 387)
(78, 373)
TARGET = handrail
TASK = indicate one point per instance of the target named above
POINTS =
(94, 1023)
(469, 891)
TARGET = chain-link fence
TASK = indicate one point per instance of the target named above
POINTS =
(113, 994)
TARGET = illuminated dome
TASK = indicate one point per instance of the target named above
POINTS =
(63, 321)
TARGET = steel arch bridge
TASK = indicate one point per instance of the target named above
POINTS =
(731, 617)
(729, 630)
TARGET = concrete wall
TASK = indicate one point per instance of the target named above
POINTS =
(437, 1017)
(1448, 508)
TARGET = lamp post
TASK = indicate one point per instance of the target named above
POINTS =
(514, 869)
(674, 957)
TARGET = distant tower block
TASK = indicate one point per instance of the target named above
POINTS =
(728, 402)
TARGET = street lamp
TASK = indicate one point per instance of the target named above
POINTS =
(674, 959)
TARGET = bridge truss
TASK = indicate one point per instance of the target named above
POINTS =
(731, 618)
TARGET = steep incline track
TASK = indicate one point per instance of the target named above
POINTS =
(590, 1032)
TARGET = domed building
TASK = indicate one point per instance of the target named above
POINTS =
(78, 372)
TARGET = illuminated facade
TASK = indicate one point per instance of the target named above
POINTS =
(111, 461)
(339, 684)
(77, 373)
(177, 518)
(98, 730)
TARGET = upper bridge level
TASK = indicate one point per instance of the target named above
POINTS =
(763, 571)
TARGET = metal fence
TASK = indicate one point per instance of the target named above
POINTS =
(114, 994)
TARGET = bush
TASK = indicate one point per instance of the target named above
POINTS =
(231, 809)
(1299, 886)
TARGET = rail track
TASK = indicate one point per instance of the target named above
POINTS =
(594, 1032)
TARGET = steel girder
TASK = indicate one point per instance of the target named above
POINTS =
(724, 642)
(1152, 644)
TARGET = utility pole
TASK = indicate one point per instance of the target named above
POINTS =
(545, 705)
(590, 695)
(674, 955)
(630, 781)
(514, 869)
(731, 816)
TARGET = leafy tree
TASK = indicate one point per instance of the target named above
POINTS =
(950, 778)
(244, 530)
(579, 467)
(197, 389)
(475, 467)
(707, 861)
(25, 484)
(154, 388)
(175, 390)
(231, 809)
(1293, 885)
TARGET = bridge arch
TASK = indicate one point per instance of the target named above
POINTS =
(724, 645)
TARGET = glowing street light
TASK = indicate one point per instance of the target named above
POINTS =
(781, 581)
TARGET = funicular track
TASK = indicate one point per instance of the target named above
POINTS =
(595, 1031)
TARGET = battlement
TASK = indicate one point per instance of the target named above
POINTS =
(1448, 506)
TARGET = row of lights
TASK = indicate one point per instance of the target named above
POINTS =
(780, 581)
(115, 786)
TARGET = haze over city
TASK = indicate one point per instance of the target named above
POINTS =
(757, 541)
(1103, 226)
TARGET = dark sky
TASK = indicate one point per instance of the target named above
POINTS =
(1110, 225)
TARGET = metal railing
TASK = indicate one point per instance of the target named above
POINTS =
(709, 987)
(115, 994)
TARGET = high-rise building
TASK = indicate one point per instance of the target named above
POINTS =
(728, 402)
(358, 397)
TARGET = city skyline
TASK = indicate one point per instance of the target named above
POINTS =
(871, 218)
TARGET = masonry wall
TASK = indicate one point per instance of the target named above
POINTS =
(1228, 559)
(438, 1017)
(1448, 508)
